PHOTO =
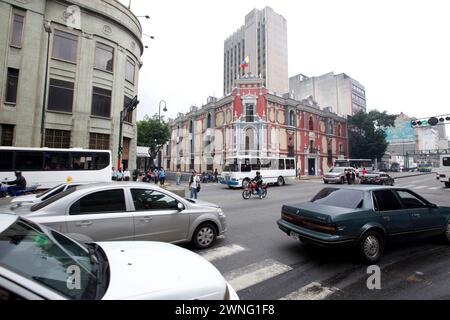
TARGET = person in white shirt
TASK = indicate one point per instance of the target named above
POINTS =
(194, 184)
(126, 175)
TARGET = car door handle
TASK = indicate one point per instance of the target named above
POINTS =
(146, 219)
(387, 218)
(415, 215)
(84, 224)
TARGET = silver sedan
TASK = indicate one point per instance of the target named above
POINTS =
(128, 211)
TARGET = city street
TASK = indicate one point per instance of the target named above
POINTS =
(262, 262)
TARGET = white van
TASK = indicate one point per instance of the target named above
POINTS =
(444, 170)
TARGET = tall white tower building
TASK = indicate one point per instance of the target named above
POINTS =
(263, 39)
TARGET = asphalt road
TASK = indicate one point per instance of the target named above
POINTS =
(262, 262)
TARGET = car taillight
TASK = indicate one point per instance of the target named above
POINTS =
(309, 223)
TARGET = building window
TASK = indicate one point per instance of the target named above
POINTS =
(339, 131)
(104, 57)
(6, 134)
(208, 121)
(12, 84)
(292, 118)
(311, 123)
(60, 95)
(249, 113)
(129, 70)
(341, 149)
(65, 46)
(101, 102)
(129, 115)
(17, 30)
(57, 138)
(99, 141)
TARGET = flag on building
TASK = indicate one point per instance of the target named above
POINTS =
(245, 62)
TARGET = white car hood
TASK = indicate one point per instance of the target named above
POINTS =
(204, 203)
(143, 270)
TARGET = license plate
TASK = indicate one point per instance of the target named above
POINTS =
(294, 235)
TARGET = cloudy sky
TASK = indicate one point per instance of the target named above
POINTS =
(399, 50)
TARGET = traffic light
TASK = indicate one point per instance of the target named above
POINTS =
(433, 121)
(120, 151)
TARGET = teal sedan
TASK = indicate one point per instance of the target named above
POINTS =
(364, 217)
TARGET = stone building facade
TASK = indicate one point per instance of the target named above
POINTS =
(251, 121)
(91, 51)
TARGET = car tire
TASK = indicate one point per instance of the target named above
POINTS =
(326, 182)
(246, 194)
(204, 236)
(280, 181)
(371, 246)
(245, 183)
(447, 184)
(342, 180)
(447, 233)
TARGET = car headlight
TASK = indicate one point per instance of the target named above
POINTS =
(220, 212)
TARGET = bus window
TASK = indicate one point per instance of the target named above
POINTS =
(56, 161)
(275, 164)
(281, 164)
(245, 167)
(101, 160)
(29, 160)
(82, 161)
(256, 166)
(266, 164)
(292, 163)
(6, 160)
(288, 165)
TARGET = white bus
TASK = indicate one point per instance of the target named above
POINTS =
(50, 167)
(444, 170)
(238, 171)
(355, 163)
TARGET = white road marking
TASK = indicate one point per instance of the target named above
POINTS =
(419, 187)
(221, 252)
(312, 291)
(255, 273)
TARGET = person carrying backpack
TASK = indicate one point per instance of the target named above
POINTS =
(194, 185)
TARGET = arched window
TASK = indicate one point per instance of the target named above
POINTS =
(208, 121)
(339, 131)
(311, 123)
(191, 126)
(249, 140)
(292, 118)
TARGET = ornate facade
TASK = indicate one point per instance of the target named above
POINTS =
(251, 121)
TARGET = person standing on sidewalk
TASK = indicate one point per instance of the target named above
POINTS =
(194, 183)
(178, 176)
(162, 176)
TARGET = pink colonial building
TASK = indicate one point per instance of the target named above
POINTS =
(251, 121)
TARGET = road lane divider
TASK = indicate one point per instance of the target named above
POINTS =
(255, 273)
(312, 291)
(221, 252)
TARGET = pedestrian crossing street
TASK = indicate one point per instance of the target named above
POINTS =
(249, 275)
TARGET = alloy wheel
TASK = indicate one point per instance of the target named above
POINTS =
(371, 246)
(205, 236)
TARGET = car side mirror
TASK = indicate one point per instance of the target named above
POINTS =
(180, 206)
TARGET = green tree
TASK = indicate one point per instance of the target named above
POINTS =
(153, 134)
(367, 139)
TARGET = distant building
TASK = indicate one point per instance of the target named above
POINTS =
(253, 122)
(343, 94)
(263, 38)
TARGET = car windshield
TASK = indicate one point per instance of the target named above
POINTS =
(343, 198)
(51, 259)
(338, 169)
(52, 199)
(40, 195)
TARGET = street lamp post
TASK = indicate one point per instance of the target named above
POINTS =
(48, 29)
(123, 114)
(165, 110)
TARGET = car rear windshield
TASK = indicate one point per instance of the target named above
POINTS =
(343, 198)
(52, 199)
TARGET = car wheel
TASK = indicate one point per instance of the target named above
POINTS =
(447, 184)
(342, 180)
(447, 233)
(245, 183)
(246, 194)
(371, 246)
(280, 181)
(326, 182)
(204, 236)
